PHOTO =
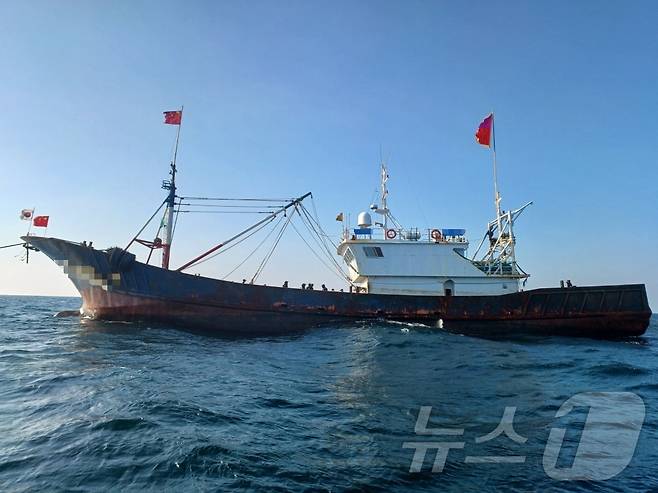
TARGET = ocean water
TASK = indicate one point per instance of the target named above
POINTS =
(87, 405)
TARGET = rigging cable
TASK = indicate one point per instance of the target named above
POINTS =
(255, 249)
(321, 234)
(325, 237)
(322, 261)
(235, 244)
(266, 259)
(229, 212)
(324, 249)
(143, 227)
(236, 200)
(157, 235)
(311, 223)
(175, 222)
(317, 221)
(191, 204)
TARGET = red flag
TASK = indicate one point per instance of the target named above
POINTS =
(483, 134)
(173, 117)
(41, 221)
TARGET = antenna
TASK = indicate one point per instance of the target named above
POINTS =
(384, 189)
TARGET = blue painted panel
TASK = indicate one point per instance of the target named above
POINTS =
(453, 232)
(362, 231)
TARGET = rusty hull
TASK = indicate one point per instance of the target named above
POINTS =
(115, 286)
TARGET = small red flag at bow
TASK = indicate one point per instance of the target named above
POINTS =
(41, 221)
(483, 134)
(173, 117)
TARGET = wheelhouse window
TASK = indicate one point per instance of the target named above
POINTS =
(349, 256)
(373, 251)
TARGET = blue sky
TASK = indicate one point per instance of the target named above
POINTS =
(286, 97)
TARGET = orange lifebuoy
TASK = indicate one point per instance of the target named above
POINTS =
(391, 233)
(436, 235)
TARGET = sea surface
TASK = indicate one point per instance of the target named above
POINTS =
(94, 406)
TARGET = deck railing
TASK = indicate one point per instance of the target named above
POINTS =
(430, 235)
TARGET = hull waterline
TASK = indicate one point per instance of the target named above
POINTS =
(115, 286)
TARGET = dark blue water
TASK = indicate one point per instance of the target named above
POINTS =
(97, 406)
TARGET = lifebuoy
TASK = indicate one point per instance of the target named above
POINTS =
(391, 233)
(436, 235)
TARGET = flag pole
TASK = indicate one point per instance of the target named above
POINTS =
(171, 201)
(29, 227)
(177, 138)
(495, 171)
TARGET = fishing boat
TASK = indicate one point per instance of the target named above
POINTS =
(391, 272)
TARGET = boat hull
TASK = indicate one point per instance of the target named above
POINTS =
(114, 286)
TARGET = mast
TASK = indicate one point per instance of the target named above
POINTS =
(500, 257)
(171, 202)
(384, 194)
(495, 173)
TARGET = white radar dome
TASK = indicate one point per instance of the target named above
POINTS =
(364, 220)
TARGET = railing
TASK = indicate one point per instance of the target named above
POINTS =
(499, 268)
(431, 235)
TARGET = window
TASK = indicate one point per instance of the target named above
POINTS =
(349, 256)
(373, 251)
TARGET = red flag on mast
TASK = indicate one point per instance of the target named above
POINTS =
(483, 134)
(41, 221)
(173, 117)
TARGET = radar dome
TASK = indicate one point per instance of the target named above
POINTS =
(364, 220)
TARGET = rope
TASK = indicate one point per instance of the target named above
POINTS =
(314, 252)
(255, 249)
(157, 234)
(229, 212)
(191, 204)
(321, 243)
(143, 227)
(173, 230)
(259, 271)
(223, 250)
(237, 200)
(310, 221)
